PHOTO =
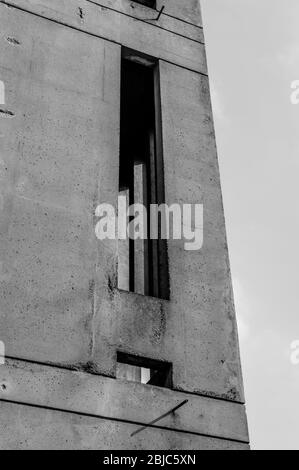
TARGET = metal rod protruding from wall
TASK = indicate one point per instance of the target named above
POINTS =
(159, 419)
(160, 13)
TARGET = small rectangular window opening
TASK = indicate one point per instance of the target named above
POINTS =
(148, 3)
(145, 371)
(142, 264)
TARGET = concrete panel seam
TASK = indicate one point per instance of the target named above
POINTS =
(148, 21)
(90, 372)
(184, 21)
(119, 420)
(69, 368)
(165, 14)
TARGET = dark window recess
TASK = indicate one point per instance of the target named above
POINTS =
(146, 371)
(148, 3)
(142, 264)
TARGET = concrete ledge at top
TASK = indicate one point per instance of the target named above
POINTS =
(186, 10)
(73, 391)
(122, 29)
(170, 18)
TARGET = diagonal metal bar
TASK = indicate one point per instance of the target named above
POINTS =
(160, 13)
(159, 419)
(153, 19)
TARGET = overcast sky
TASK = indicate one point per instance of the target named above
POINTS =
(253, 56)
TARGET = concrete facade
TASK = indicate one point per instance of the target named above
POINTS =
(62, 318)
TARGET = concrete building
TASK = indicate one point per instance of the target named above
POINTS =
(102, 338)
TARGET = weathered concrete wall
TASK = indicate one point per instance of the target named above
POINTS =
(51, 430)
(59, 305)
(57, 163)
(100, 396)
(188, 10)
(169, 40)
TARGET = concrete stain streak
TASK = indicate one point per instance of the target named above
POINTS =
(13, 41)
(5, 113)
(93, 315)
(81, 13)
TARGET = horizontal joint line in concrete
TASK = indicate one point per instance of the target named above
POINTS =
(147, 21)
(119, 420)
(211, 397)
(75, 369)
(58, 366)
(183, 21)
(10, 5)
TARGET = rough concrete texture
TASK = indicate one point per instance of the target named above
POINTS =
(169, 42)
(51, 430)
(187, 10)
(79, 392)
(56, 164)
(59, 144)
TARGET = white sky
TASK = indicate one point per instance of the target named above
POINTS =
(253, 56)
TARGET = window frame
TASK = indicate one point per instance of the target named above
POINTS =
(163, 376)
(152, 3)
(157, 262)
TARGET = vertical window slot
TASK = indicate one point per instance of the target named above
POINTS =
(142, 263)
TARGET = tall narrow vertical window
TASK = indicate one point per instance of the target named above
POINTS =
(142, 263)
